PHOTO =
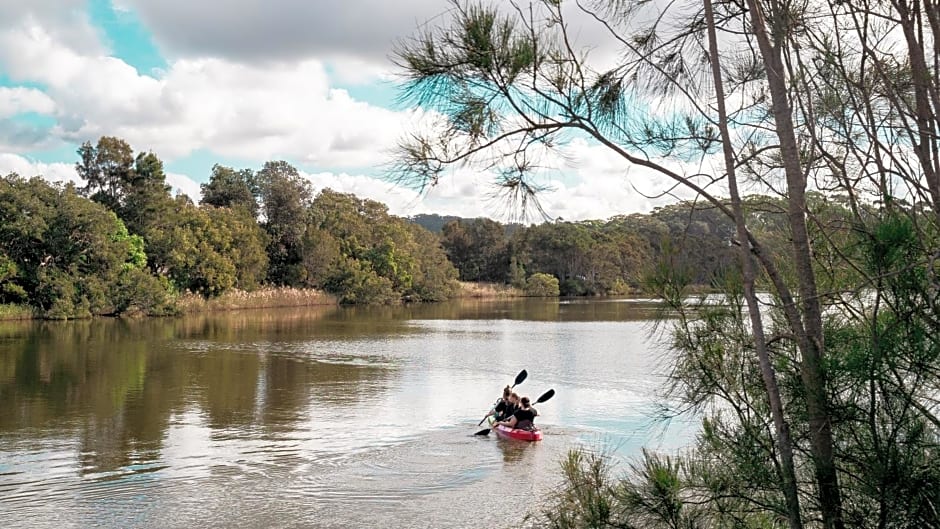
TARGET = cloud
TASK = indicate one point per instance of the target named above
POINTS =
(19, 100)
(282, 30)
(54, 172)
(182, 184)
(66, 20)
(256, 86)
(248, 111)
(358, 31)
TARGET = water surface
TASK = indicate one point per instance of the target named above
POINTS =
(315, 417)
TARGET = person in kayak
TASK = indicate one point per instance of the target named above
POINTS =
(505, 405)
(523, 418)
(501, 404)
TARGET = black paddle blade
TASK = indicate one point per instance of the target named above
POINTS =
(520, 377)
(545, 396)
(485, 431)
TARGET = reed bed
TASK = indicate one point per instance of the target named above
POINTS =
(488, 290)
(270, 297)
(12, 311)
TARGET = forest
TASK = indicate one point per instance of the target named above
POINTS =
(123, 244)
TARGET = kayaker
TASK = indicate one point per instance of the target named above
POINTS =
(499, 409)
(523, 418)
(512, 407)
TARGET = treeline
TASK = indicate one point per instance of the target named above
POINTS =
(596, 257)
(124, 244)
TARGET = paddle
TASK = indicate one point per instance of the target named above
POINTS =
(519, 378)
(545, 396)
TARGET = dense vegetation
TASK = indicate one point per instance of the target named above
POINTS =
(816, 374)
(595, 257)
(123, 244)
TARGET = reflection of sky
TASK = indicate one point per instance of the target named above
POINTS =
(324, 418)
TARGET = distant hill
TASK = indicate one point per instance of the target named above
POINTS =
(435, 223)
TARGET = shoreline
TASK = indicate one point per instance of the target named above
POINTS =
(265, 298)
(271, 297)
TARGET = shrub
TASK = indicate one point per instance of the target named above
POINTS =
(542, 285)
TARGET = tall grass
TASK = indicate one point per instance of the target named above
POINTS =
(488, 290)
(269, 297)
(12, 311)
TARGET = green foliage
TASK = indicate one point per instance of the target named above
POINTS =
(356, 245)
(435, 277)
(107, 169)
(516, 273)
(542, 285)
(478, 248)
(10, 290)
(285, 197)
(588, 497)
(64, 254)
(209, 250)
(355, 283)
(231, 189)
(138, 292)
(146, 194)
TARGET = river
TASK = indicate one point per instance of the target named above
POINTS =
(316, 417)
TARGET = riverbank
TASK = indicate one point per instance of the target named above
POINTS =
(11, 311)
(273, 297)
(278, 297)
(189, 303)
(488, 291)
(265, 298)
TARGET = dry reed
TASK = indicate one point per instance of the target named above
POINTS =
(269, 297)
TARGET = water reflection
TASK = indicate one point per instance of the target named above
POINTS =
(212, 417)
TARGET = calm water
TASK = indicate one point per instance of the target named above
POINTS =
(320, 417)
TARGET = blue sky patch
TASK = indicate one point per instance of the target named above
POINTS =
(126, 36)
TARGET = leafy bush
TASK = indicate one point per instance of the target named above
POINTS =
(138, 292)
(542, 285)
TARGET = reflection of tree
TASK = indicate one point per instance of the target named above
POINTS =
(114, 385)
(226, 383)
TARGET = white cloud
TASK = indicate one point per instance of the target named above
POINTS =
(182, 184)
(66, 20)
(285, 108)
(20, 100)
(258, 112)
(54, 172)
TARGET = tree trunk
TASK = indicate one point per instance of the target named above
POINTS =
(810, 333)
(783, 441)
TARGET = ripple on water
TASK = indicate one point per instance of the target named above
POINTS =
(420, 467)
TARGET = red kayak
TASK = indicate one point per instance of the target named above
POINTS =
(521, 435)
(515, 433)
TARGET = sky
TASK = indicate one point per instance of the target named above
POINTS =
(240, 82)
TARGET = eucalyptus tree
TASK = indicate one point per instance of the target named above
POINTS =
(285, 197)
(230, 188)
(106, 167)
